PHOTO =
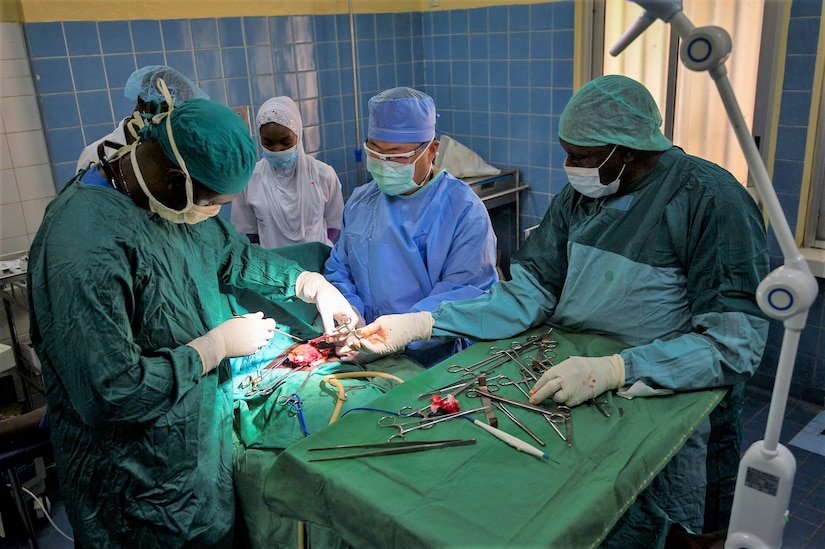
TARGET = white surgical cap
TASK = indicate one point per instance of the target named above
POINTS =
(281, 110)
(402, 115)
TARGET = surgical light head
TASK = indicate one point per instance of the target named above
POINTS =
(613, 110)
(142, 84)
(402, 115)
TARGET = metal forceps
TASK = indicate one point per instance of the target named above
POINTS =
(344, 329)
(554, 418)
(492, 385)
(514, 351)
(421, 423)
(294, 399)
(391, 448)
(471, 372)
(506, 381)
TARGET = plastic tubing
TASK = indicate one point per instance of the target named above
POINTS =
(332, 379)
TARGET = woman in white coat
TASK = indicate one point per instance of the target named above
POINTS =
(291, 197)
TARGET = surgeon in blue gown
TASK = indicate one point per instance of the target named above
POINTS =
(415, 235)
(652, 247)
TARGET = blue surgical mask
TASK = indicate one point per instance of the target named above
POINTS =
(393, 178)
(588, 181)
(281, 159)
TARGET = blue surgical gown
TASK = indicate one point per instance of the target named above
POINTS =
(399, 254)
(142, 440)
(669, 266)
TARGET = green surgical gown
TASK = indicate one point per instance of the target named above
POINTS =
(142, 440)
(669, 266)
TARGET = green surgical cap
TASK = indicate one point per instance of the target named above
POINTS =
(613, 110)
(213, 141)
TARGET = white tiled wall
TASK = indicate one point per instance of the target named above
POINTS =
(26, 181)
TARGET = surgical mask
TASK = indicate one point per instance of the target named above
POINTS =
(588, 181)
(281, 159)
(195, 214)
(393, 178)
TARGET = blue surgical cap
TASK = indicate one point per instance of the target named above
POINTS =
(143, 84)
(402, 115)
(613, 110)
(213, 141)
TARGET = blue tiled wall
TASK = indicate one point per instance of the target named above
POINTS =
(81, 68)
(808, 381)
(500, 77)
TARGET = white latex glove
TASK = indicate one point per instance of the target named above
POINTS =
(578, 379)
(239, 336)
(314, 288)
(392, 333)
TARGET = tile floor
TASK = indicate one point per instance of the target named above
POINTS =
(806, 529)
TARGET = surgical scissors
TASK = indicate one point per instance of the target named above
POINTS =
(421, 423)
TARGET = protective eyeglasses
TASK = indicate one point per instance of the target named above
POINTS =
(402, 158)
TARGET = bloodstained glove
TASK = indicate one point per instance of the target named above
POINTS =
(239, 336)
(392, 333)
(578, 379)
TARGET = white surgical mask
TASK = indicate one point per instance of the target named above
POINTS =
(195, 214)
(281, 159)
(393, 178)
(588, 181)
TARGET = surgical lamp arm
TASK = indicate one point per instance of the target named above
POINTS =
(786, 294)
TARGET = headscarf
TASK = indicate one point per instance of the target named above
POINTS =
(294, 206)
(143, 84)
(402, 115)
(209, 139)
(613, 110)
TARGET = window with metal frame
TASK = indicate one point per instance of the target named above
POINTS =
(694, 116)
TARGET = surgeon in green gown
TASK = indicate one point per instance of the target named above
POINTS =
(650, 246)
(130, 325)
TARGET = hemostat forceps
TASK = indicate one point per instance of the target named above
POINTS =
(421, 423)
(391, 448)
(553, 417)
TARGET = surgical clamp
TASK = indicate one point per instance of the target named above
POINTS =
(551, 415)
(423, 423)
(517, 421)
(492, 386)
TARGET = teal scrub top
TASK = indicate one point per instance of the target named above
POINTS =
(142, 440)
(669, 265)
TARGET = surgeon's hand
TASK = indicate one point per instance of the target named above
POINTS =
(392, 333)
(314, 288)
(578, 379)
(239, 336)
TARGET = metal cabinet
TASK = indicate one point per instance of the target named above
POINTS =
(501, 195)
(15, 304)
